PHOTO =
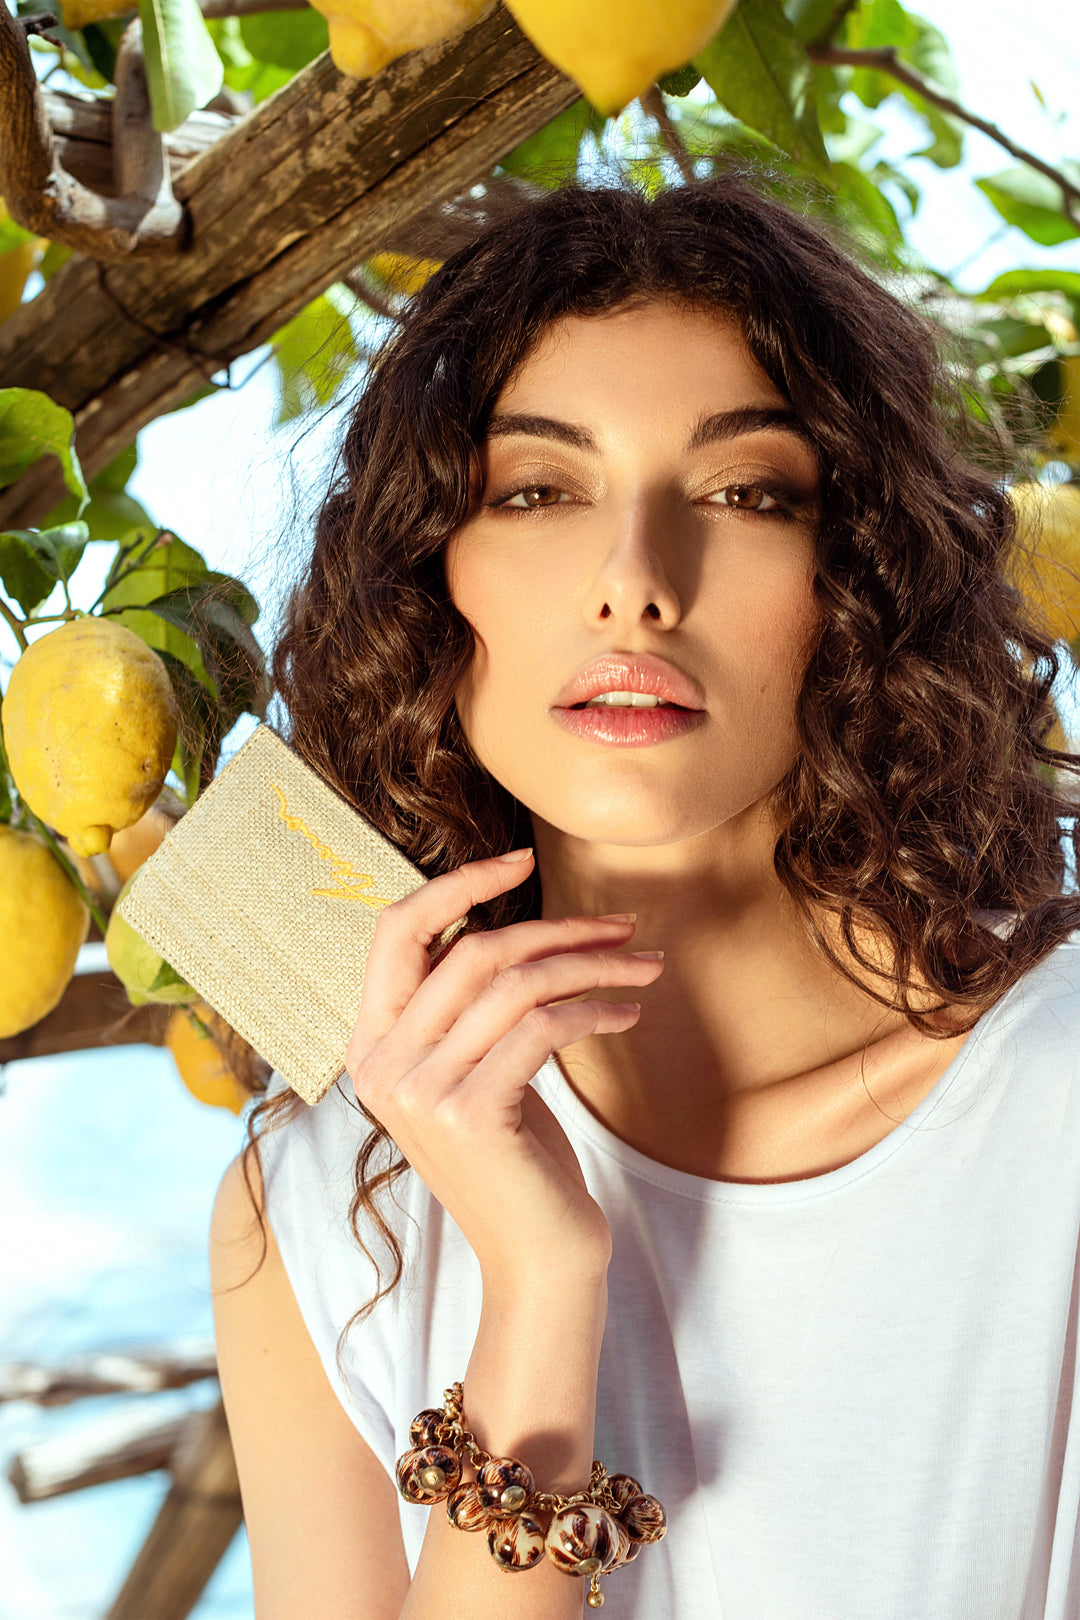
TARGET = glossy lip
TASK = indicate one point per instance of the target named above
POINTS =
(634, 728)
(624, 672)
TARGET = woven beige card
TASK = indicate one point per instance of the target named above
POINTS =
(265, 897)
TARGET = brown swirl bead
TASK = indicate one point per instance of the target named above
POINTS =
(516, 1541)
(644, 1517)
(428, 1475)
(424, 1426)
(505, 1484)
(627, 1549)
(623, 1487)
(465, 1510)
(582, 1539)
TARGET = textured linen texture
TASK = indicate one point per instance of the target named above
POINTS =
(264, 897)
(855, 1393)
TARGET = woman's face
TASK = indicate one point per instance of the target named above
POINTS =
(645, 492)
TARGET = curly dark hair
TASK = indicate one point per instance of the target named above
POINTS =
(926, 799)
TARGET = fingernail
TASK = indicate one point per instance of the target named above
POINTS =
(619, 917)
(517, 855)
(649, 956)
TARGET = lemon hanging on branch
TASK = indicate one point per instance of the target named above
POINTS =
(144, 974)
(615, 49)
(1049, 521)
(43, 922)
(200, 1060)
(367, 34)
(90, 723)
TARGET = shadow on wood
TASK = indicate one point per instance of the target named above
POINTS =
(191, 1533)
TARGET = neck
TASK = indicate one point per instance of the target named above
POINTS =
(748, 1010)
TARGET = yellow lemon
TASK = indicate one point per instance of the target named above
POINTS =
(43, 921)
(367, 34)
(199, 1059)
(144, 974)
(90, 724)
(1049, 521)
(1065, 433)
(401, 272)
(77, 13)
(132, 845)
(615, 49)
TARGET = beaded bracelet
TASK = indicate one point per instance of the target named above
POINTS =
(591, 1533)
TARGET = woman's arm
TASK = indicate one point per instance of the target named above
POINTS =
(321, 1513)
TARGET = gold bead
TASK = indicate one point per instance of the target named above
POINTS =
(513, 1498)
(595, 1598)
(432, 1479)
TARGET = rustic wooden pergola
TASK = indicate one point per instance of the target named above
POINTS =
(191, 250)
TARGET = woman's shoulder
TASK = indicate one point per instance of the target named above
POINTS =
(1040, 1012)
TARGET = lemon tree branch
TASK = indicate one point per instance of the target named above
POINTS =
(885, 59)
(15, 624)
(50, 838)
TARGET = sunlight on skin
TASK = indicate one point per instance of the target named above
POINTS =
(634, 546)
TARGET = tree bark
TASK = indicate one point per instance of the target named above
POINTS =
(107, 1372)
(93, 1011)
(197, 1521)
(307, 185)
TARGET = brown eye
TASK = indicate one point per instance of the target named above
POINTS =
(536, 496)
(749, 497)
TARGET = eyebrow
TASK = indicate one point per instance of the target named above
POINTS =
(709, 429)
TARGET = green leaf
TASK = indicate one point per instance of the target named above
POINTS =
(197, 724)
(56, 254)
(112, 514)
(314, 353)
(680, 81)
(871, 25)
(156, 566)
(33, 560)
(1030, 201)
(760, 72)
(287, 39)
(12, 235)
(22, 573)
(549, 158)
(216, 616)
(1014, 282)
(103, 41)
(811, 19)
(183, 68)
(32, 426)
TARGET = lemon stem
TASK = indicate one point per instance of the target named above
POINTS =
(16, 624)
(95, 910)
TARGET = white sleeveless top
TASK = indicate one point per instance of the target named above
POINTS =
(854, 1393)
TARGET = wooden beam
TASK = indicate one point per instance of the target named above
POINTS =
(301, 190)
(93, 1011)
(82, 137)
(141, 1371)
(197, 1521)
(115, 1447)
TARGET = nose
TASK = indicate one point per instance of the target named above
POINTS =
(630, 582)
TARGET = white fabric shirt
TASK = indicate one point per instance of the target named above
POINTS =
(854, 1393)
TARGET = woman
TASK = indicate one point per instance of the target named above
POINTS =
(782, 1223)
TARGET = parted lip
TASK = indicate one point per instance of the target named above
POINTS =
(625, 672)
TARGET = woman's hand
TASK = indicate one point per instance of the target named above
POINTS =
(442, 1058)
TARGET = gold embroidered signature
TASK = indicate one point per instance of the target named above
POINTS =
(348, 882)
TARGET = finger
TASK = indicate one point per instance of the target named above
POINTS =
(487, 1097)
(515, 990)
(479, 959)
(398, 961)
